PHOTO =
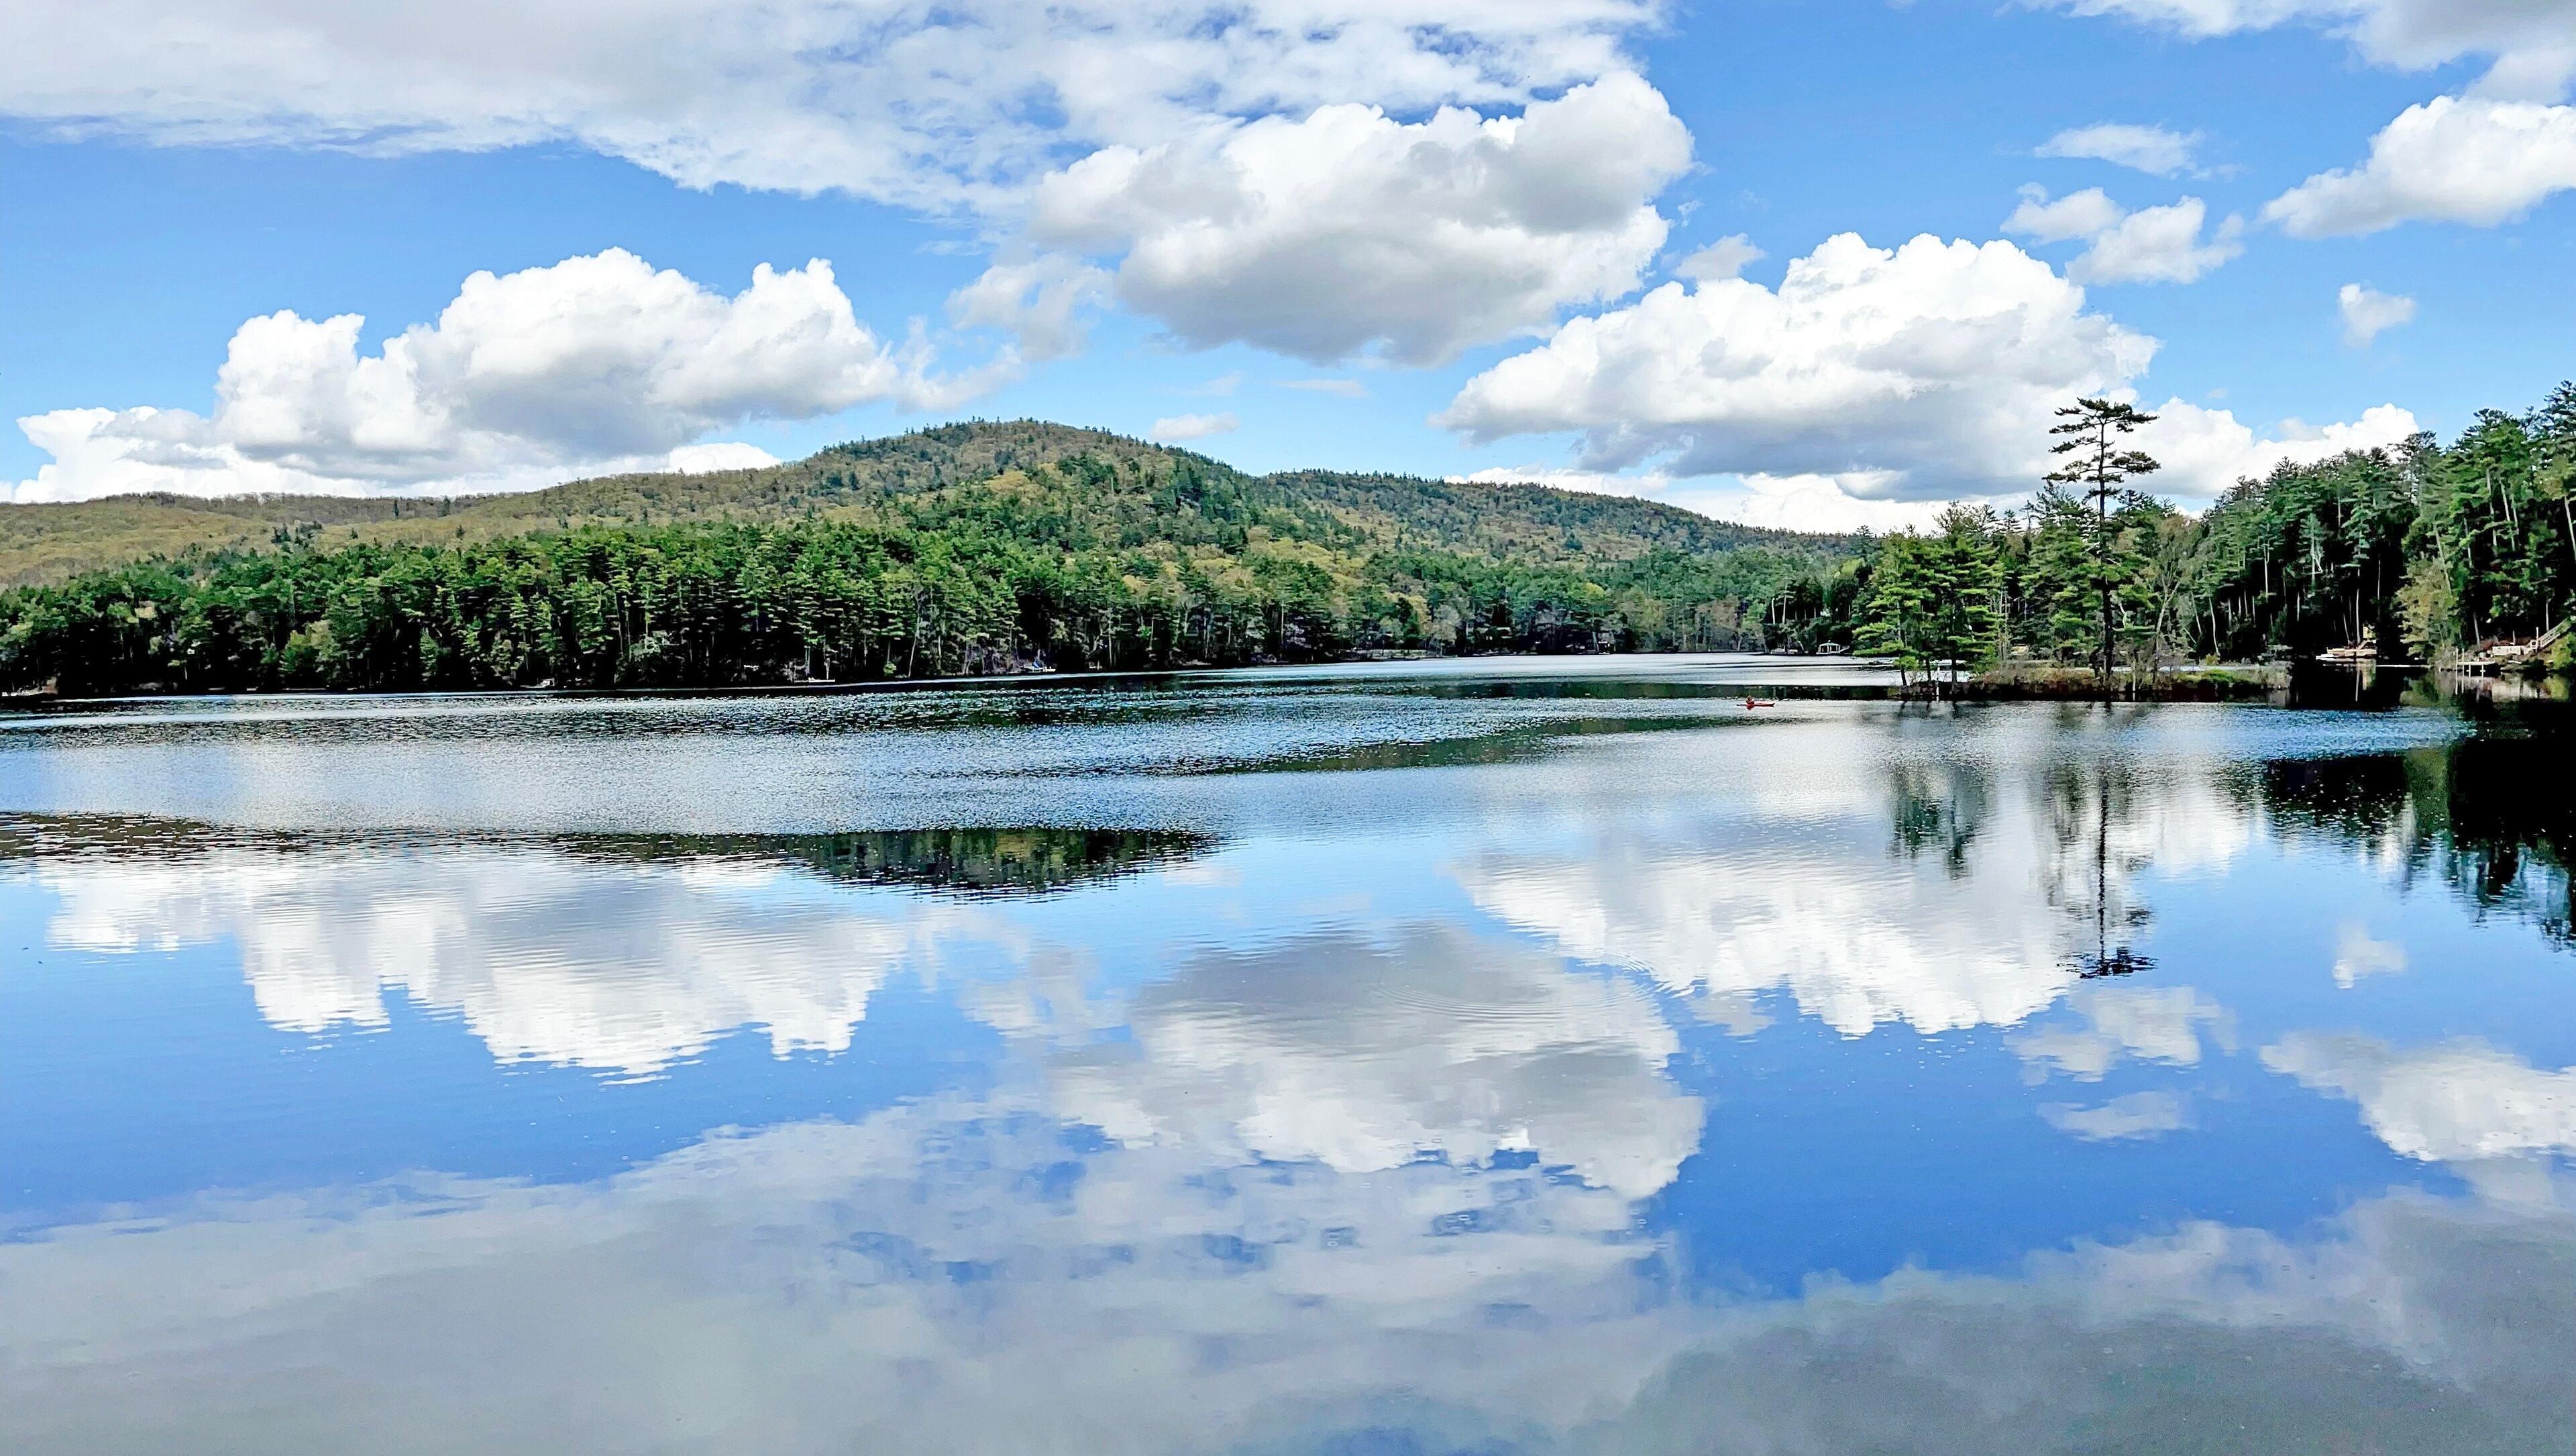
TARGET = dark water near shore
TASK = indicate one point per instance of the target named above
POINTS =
(1549, 1055)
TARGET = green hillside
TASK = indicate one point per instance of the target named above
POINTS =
(50, 543)
(872, 479)
(965, 549)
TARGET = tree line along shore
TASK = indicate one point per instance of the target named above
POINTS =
(2458, 555)
(1025, 547)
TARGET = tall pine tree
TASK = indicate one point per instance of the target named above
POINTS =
(2089, 432)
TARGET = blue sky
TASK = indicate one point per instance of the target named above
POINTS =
(1255, 227)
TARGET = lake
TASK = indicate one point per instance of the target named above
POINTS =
(1512, 1055)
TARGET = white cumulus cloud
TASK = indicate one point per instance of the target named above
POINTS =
(2368, 313)
(2158, 151)
(1315, 176)
(1348, 230)
(2452, 159)
(591, 364)
(2160, 245)
(2204, 451)
(2082, 214)
(2483, 158)
(1926, 372)
(2151, 245)
(946, 105)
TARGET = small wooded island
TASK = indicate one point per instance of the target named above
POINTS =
(990, 548)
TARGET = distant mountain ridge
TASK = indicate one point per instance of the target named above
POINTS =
(891, 477)
(965, 550)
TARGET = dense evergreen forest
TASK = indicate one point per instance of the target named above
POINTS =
(2422, 553)
(1028, 547)
(966, 550)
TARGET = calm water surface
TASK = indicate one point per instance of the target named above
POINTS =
(1548, 1056)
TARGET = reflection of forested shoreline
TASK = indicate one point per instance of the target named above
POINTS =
(2483, 815)
(988, 861)
(972, 861)
(2490, 817)
(2089, 812)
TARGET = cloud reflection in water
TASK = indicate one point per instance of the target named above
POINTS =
(1363, 1055)
(1996, 879)
(1339, 1160)
(962, 1276)
(625, 970)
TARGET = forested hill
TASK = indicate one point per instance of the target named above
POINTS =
(1029, 547)
(872, 479)
(966, 549)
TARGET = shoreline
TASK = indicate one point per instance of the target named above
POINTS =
(2235, 682)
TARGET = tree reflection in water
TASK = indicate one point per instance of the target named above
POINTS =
(2082, 801)
(2487, 816)
(1035, 860)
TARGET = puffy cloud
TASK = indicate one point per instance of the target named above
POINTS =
(2151, 245)
(1038, 300)
(1176, 428)
(592, 364)
(934, 105)
(2076, 215)
(2156, 150)
(2159, 245)
(1248, 158)
(1347, 229)
(2368, 313)
(2452, 159)
(2456, 1101)
(1925, 371)
(2532, 42)
(2485, 158)
(1870, 378)
(2204, 451)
